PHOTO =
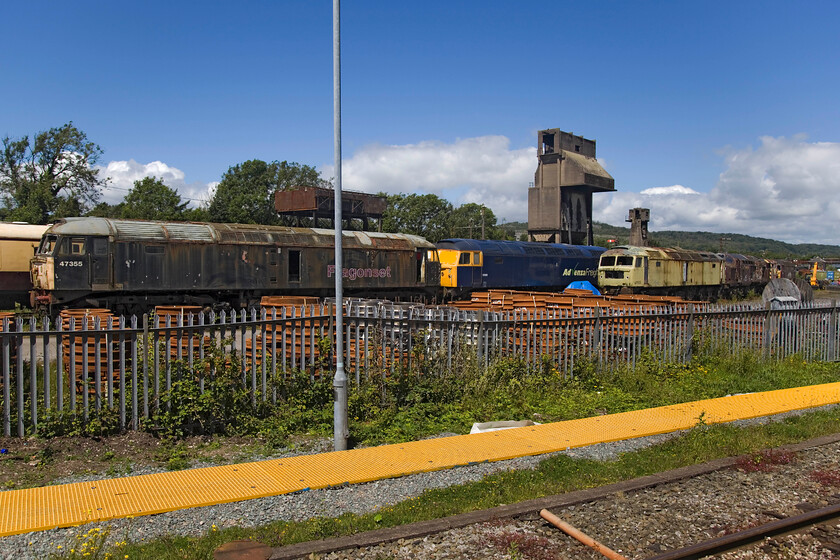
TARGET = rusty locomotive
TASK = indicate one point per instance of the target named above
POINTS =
(130, 266)
(692, 274)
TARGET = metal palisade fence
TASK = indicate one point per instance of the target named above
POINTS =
(90, 360)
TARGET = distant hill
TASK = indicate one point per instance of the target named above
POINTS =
(708, 241)
(717, 242)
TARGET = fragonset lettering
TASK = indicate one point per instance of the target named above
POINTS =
(353, 273)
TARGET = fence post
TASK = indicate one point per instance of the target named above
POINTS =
(135, 387)
(480, 318)
(59, 366)
(145, 365)
(832, 333)
(46, 347)
(7, 405)
(688, 350)
(33, 375)
(19, 378)
(768, 328)
(596, 333)
(331, 334)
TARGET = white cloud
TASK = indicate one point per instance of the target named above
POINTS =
(673, 189)
(483, 170)
(123, 174)
(786, 188)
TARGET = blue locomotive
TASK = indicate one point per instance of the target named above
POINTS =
(469, 264)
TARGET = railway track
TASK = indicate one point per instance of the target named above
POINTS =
(780, 505)
(817, 522)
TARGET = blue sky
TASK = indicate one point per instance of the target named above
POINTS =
(718, 116)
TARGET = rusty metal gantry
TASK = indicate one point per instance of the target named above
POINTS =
(319, 203)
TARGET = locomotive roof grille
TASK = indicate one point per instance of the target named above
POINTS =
(197, 232)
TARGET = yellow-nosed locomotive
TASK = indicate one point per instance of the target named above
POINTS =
(691, 274)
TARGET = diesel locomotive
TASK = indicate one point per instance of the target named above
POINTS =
(469, 264)
(690, 274)
(131, 266)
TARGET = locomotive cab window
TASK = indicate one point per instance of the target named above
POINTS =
(464, 258)
(48, 244)
(624, 261)
(477, 259)
(608, 261)
(77, 246)
(638, 262)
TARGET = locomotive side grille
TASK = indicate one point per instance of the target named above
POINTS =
(617, 274)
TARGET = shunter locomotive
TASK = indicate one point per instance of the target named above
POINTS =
(130, 266)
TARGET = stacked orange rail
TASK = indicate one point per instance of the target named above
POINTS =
(83, 353)
(545, 327)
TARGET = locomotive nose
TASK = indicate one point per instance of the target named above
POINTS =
(41, 272)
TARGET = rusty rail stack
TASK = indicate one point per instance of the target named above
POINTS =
(86, 356)
(564, 323)
(296, 341)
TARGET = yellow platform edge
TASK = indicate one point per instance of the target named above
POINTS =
(67, 505)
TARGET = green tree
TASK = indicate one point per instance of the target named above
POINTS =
(425, 215)
(469, 220)
(199, 214)
(105, 210)
(151, 199)
(245, 194)
(52, 177)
